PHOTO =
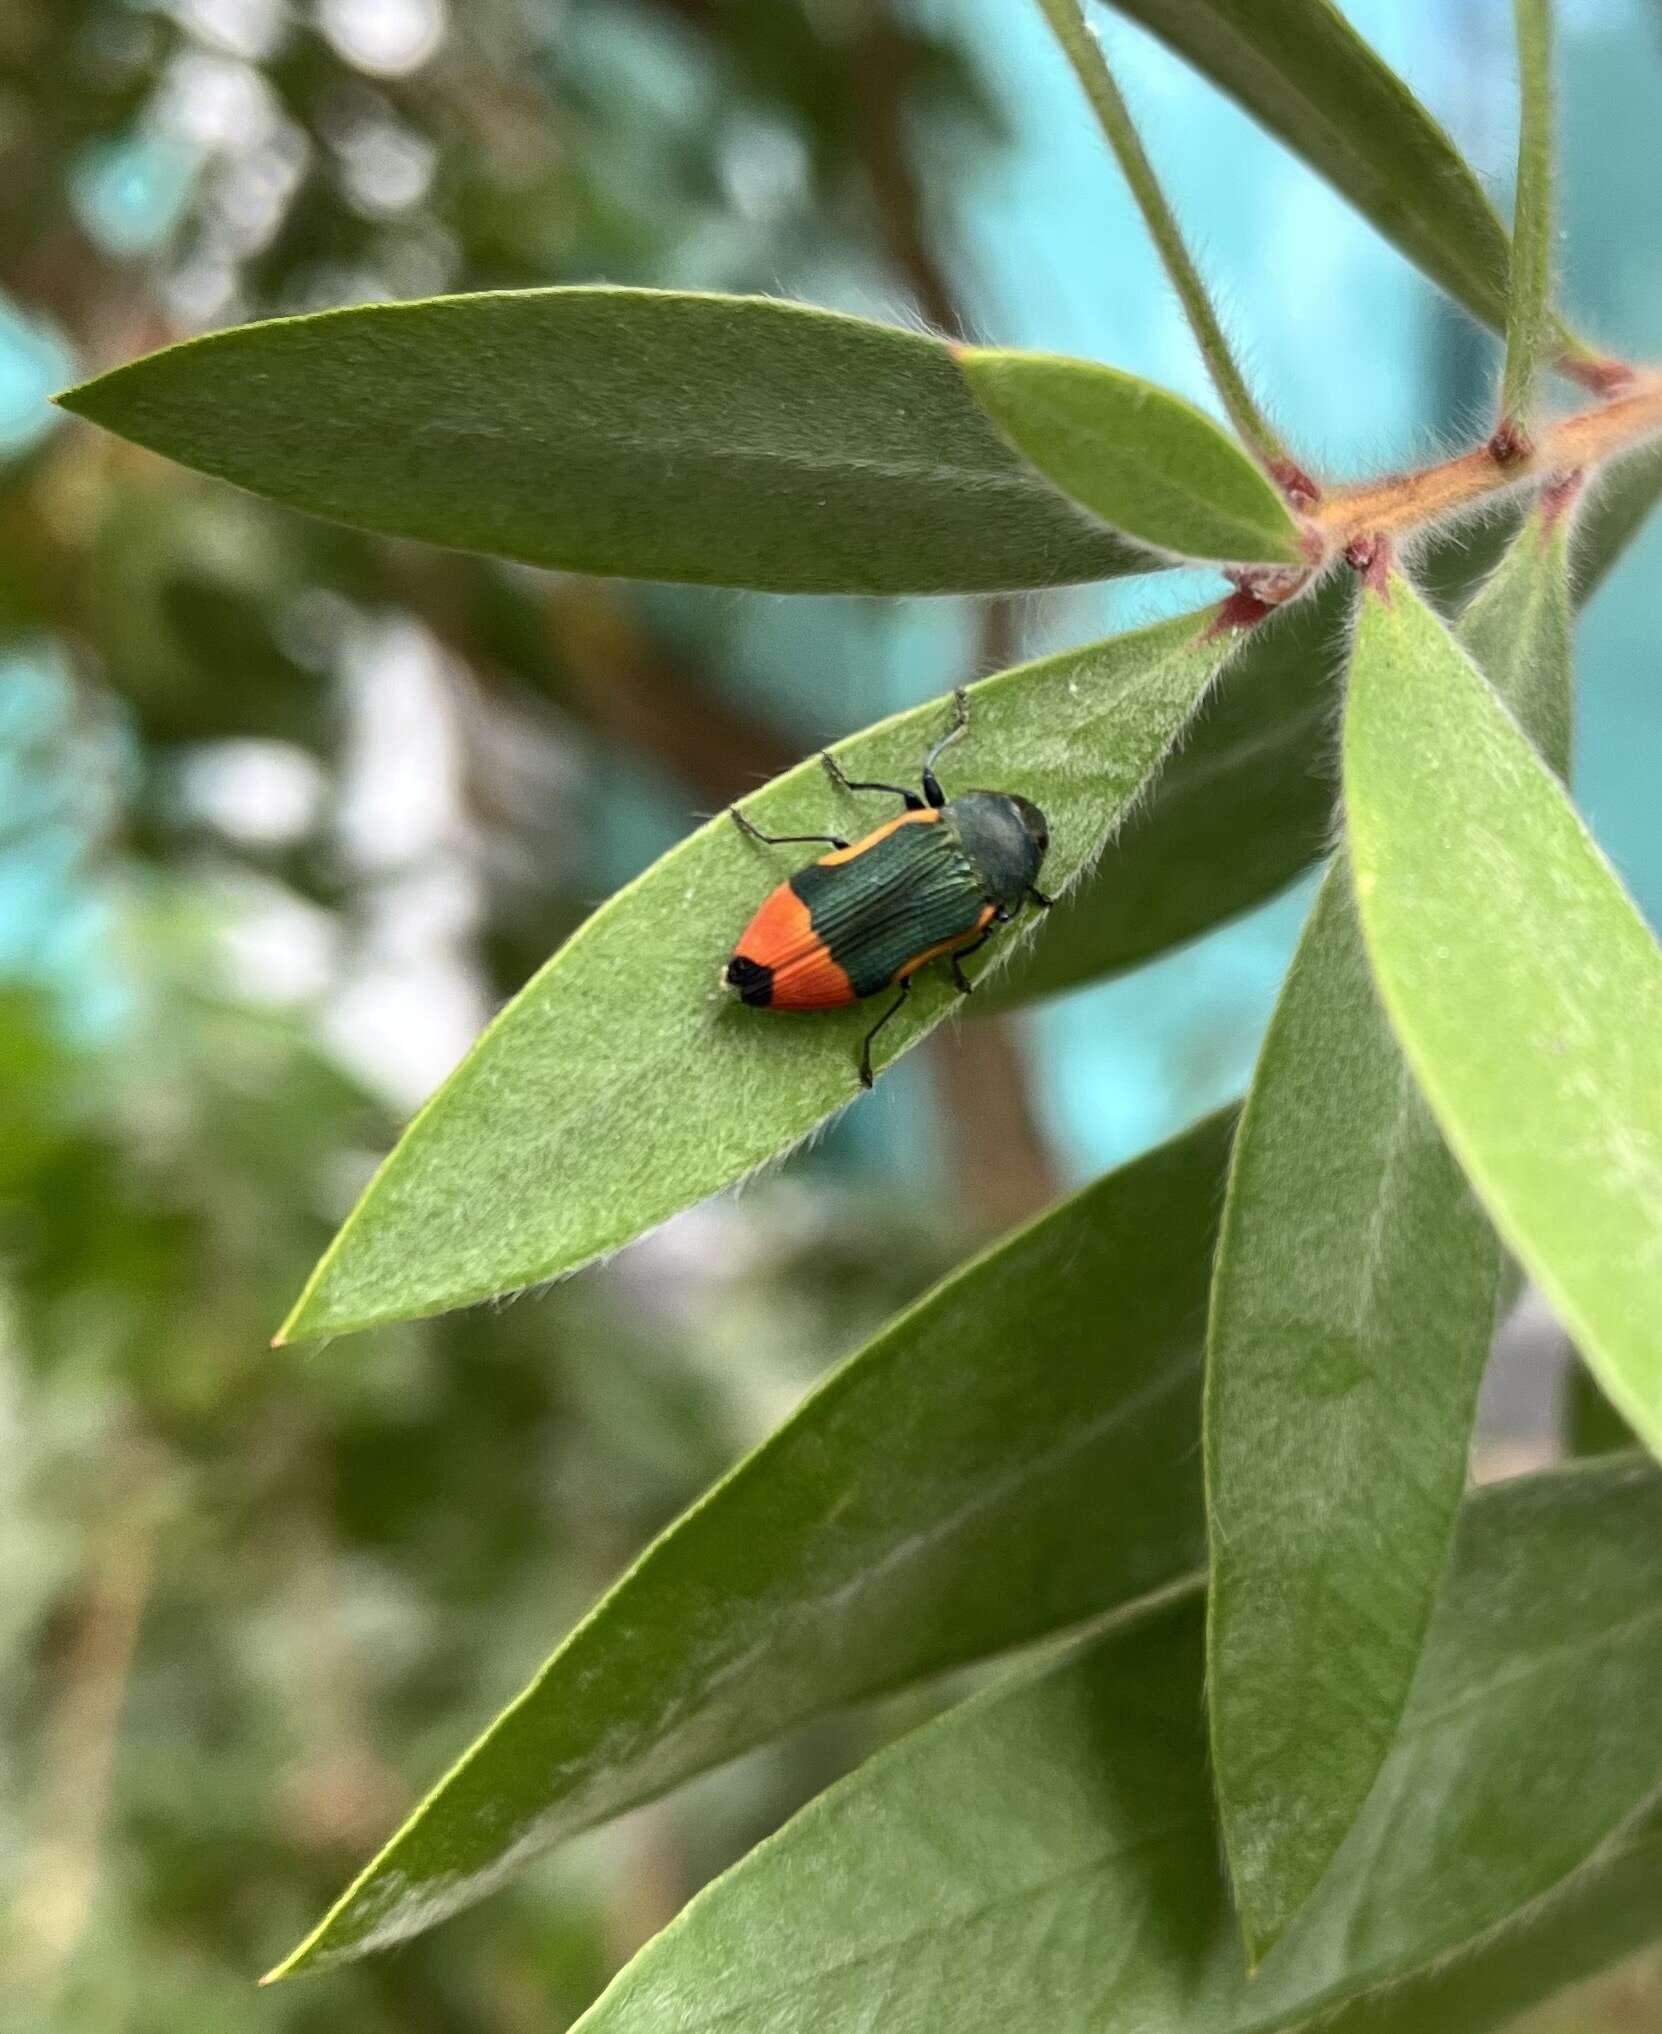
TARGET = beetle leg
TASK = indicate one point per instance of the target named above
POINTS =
(963, 954)
(749, 827)
(834, 770)
(865, 1048)
(1044, 903)
(960, 720)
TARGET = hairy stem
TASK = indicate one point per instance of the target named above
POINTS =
(1527, 299)
(1090, 67)
(1406, 501)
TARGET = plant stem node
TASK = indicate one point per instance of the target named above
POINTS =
(1511, 445)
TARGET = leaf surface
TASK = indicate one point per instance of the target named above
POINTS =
(951, 1490)
(1243, 805)
(623, 1083)
(1148, 463)
(735, 441)
(1044, 1858)
(1522, 982)
(1623, 496)
(1353, 1307)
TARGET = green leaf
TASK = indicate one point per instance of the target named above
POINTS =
(1043, 1857)
(1244, 804)
(1529, 292)
(1623, 497)
(1521, 981)
(1303, 72)
(1146, 462)
(1600, 1917)
(623, 1083)
(1591, 1424)
(728, 440)
(1352, 1310)
(950, 1491)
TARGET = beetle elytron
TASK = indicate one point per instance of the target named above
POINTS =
(935, 883)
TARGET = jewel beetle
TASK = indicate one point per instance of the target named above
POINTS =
(934, 883)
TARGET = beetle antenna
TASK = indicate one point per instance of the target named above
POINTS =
(960, 722)
(749, 828)
(834, 770)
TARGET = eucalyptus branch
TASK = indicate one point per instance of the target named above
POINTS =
(1090, 66)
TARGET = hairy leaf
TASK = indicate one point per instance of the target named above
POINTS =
(1352, 1311)
(1245, 803)
(1608, 1910)
(1243, 806)
(1146, 462)
(951, 1490)
(1044, 1857)
(1522, 982)
(623, 1083)
(735, 441)
(1623, 497)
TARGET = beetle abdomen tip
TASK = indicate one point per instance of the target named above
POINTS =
(753, 980)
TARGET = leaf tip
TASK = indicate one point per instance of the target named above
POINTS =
(305, 1953)
(300, 1324)
(310, 1318)
(89, 399)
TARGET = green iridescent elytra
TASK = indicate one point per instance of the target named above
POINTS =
(934, 882)
(920, 885)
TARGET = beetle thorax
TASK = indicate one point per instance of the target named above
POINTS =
(999, 843)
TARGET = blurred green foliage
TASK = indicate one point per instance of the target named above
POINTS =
(253, 1601)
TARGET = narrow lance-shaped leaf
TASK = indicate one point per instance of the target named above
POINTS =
(1301, 69)
(1529, 294)
(1043, 1860)
(1353, 1307)
(734, 441)
(952, 1490)
(1523, 984)
(623, 1083)
(1143, 460)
